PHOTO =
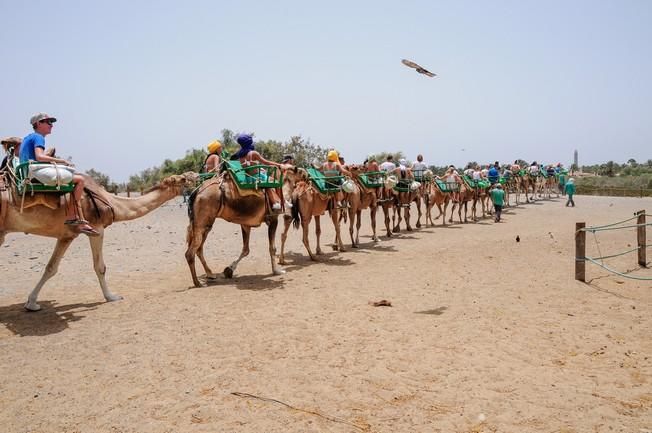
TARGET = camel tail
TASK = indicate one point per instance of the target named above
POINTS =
(296, 215)
(191, 204)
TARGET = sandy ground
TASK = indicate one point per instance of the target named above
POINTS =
(485, 334)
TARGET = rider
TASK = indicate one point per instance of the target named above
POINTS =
(333, 168)
(212, 161)
(419, 167)
(14, 159)
(493, 174)
(248, 156)
(33, 149)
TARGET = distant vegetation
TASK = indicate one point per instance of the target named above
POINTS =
(629, 175)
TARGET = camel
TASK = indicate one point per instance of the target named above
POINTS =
(460, 198)
(220, 197)
(362, 198)
(100, 208)
(308, 202)
(404, 200)
(433, 195)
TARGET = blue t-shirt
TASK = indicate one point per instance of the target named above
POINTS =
(31, 142)
(493, 174)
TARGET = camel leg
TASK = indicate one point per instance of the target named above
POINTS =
(386, 215)
(452, 213)
(202, 259)
(99, 266)
(230, 270)
(195, 240)
(50, 270)
(318, 234)
(2, 237)
(418, 202)
(354, 217)
(406, 213)
(305, 225)
(372, 214)
(287, 222)
(339, 245)
(272, 225)
(396, 218)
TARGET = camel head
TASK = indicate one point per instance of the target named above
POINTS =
(178, 181)
(302, 174)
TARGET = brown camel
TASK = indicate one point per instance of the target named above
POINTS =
(362, 198)
(433, 195)
(308, 202)
(220, 197)
(100, 208)
(460, 198)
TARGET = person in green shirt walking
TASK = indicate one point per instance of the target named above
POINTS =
(570, 190)
(498, 197)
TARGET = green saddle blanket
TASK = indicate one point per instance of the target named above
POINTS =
(325, 185)
(25, 183)
(254, 176)
(447, 187)
(372, 179)
(476, 183)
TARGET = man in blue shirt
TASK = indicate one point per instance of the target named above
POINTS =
(493, 174)
(33, 149)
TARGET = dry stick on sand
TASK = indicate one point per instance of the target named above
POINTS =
(365, 428)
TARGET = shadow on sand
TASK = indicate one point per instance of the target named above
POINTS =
(434, 312)
(51, 319)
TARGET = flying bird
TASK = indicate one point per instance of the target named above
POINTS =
(419, 69)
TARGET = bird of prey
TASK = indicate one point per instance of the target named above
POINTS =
(419, 69)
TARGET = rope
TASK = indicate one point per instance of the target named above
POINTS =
(593, 229)
(615, 255)
(633, 277)
(588, 229)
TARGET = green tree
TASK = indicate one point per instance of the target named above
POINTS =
(100, 178)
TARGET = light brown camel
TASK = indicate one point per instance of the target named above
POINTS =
(308, 202)
(101, 210)
(460, 198)
(433, 195)
(362, 198)
(220, 197)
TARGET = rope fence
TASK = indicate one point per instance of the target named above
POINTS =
(580, 246)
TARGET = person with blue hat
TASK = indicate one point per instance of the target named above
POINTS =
(248, 156)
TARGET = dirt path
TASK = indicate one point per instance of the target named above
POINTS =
(485, 334)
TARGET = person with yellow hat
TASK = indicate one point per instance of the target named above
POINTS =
(333, 168)
(212, 161)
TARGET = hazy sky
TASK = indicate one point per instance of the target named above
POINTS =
(135, 82)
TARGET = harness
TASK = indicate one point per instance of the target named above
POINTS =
(4, 201)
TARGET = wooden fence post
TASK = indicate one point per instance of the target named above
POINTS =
(580, 252)
(640, 238)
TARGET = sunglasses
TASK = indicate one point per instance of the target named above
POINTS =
(48, 121)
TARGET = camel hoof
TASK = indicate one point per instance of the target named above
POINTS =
(418, 225)
(354, 246)
(396, 230)
(278, 271)
(211, 276)
(319, 252)
(376, 239)
(32, 306)
(409, 229)
(334, 247)
(314, 258)
(228, 272)
(281, 262)
(113, 298)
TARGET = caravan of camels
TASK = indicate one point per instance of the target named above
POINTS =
(40, 195)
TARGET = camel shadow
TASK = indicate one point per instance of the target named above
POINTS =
(434, 312)
(298, 260)
(242, 282)
(51, 319)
